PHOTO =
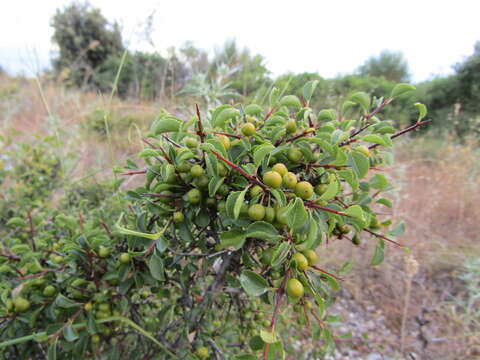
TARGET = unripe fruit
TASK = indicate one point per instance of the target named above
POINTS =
(269, 214)
(295, 289)
(202, 352)
(255, 190)
(280, 168)
(103, 252)
(356, 240)
(281, 215)
(256, 212)
(166, 199)
(294, 155)
(21, 304)
(88, 306)
(344, 229)
(191, 142)
(104, 307)
(225, 141)
(267, 256)
(202, 182)
(95, 339)
(57, 259)
(56, 246)
(49, 291)
(197, 171)
(304, 190)
(311, 256)
(10, 306)
(222, 170)
(320, 189)
(289, 180)
(273, 179)
(266, 323)
(223, 189)
(291, 126)
(184, 167)
(178, 217)
(248, 129)
(301, 261)
(308, 305)
(221, 205)
(363, 149)
(217, 323)
(276, 275)
(124, 258)
(194, 196)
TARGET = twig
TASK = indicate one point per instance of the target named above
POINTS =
(410, 128)
(33, 276)
(227, 134)
(311, 204)
(11, 257)
(69, 322)
(202, 255)
(250, 178)
(171, 141)
(384, 238)
(135, 172)
(200, 131)
(326, 272)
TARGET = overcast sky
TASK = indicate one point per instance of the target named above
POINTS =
(330, 37)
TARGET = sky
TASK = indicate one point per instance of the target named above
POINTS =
(328, 37)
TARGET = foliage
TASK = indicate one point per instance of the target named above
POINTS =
(223, 231)
(388, 64)
(85, 41)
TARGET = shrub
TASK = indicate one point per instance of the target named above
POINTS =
(223, 231)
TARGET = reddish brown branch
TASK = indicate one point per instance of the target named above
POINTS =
(302, 134)
(328, 273)
(384, 238)
(410, 128)
(11, 257)
(227, 134)
(313, 205)
(200, 131)
(249, 177)
(44, 272)
(328, 166)
(134, 172)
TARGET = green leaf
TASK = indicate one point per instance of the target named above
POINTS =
(356, 212)
(276, 351)
(52, 350)
(253, 284)
(166, 123)
(233, 237)
(399, 230)
(224, 116)
(70, 334)
(422, 111)
(379, 182)
(126, 231)
(268, 337)
(327, 114)
(363, 99)
(262, 230)
(347, 105)
(401, 89)
(385, 202)
(238, 203)
(260, 153)
(331, 191)
(297, 215)
(245, 357)
(291, 101)
(16, 221)
(359, 163)
(308, 90)
(280, 254)
(379, 254)
(155, 264)
(256, 343)
(374, 138)
(214, 184)
(350, 177)
(65, 303)
(253, 110)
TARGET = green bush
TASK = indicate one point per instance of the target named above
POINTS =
(224, 230)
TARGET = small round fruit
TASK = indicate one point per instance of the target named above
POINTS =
(57, 259)
(294, 155)
(167, 197)
(222, 170)
(221, 206)
(363, 149)
(178, 217)
(289, 180)
(103, 252)
(309, 305)
(217, 323)
(88, 306)
(56, 246)
(124, 258)
(311, 256)
(202, 352)
(184, 167)
(320, 188)
(256, 212)
(273, 179)
(344, 229)
(197, 171)
(281, 215)
(21, 304)
(255, 190)
(9, 305)
(356, 240)
(104, 307)
(291, 126)
(301, 261)
(194, 196)
(267, 255)
(269, 214)
(225, 141)
(223, 189)
(266, 323)
(202, 182)
(191, 142)
(49, 291)
(276, 275)
(248, 129)
(304, 190)
(280, 168)
(95, 339)
(295, 289)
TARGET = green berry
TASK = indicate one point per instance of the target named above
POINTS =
(320, 188)
(363, 149)
(191, 142)
(124, 258)
(178, 217)
(311, 256)
(301, 261)
(95, 339)
(291, 126)
(256, 212)
(304, 190)
(273, 179)
(267, 255)
(49, 291)
(289, 180)
(280, 168)
(255, 191)
(225, 141)
(103, 252)
(281, 215)
(294, 155)
(269, 214)
(21, 304)
(194, 196)
(248, 129)
(295, 289)
(202, 352)
(197, 171)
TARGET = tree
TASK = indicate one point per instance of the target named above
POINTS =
(85, 41)
(468, 81)
(389, 64)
